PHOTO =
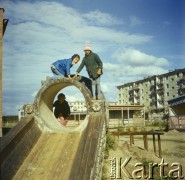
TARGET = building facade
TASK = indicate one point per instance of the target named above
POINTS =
(78, 106)
(3, 24)
(153, 92)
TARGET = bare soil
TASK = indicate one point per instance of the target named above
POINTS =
(173, 151)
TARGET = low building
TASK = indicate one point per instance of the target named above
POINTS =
(78, 106)
(78, 110)
(120, 115)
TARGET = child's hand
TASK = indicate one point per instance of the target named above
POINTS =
(69, 77)
(99, 72)
(75, 76)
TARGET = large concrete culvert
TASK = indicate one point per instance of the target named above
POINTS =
(43, 104)
(39, 133)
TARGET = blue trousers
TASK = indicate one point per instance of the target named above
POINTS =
(56, 72)
(96, 90)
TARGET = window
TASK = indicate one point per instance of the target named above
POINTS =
(167, 93)
(167, 85)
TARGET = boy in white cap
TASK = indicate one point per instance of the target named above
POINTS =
(94, 67)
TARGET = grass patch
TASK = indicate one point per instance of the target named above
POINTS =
(110, 144)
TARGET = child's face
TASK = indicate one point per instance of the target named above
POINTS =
(87, 52)
(61, 100)
(76, 59)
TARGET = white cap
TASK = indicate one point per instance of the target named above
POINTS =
(87, 46)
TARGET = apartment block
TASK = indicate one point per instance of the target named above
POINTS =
(153, 92)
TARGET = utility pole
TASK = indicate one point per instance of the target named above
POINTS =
(3, 24)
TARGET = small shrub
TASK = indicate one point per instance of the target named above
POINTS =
(120, 129)
(110, 144)
(104, 173)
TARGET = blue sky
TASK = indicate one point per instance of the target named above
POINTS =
(134, 39)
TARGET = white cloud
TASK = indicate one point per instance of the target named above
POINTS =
(123, 73)
(134, 57)
(101, 19)
(131, 64)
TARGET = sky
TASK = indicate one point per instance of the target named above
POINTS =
(133, 38)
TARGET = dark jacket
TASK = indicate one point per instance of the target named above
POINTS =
(92, 62)
(61, 109)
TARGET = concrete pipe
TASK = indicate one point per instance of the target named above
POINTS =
(43, 104)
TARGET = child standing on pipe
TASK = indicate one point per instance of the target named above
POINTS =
(94, 67)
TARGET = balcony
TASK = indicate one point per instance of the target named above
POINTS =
(138, 100)
(136, 87)
(182, 86)
(160, 100)
(153, 99)
(182, 77)
(130, 90)
(159, 89)
(131, 102)
(131, 98)
(159, 86)
(154, 107)
(160, 104)
(152, 83)
(152, 103)
(152, 95)
(181, 80)
(152, 88)
(136, 96)
(159, 81)
(181, 91)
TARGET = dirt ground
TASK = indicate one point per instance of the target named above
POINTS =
(173, 155)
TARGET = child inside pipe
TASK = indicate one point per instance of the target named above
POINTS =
(61, 109)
